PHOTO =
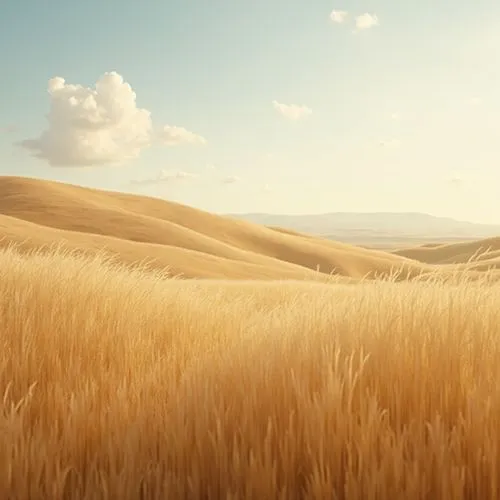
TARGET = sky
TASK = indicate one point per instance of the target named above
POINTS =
(266, 106)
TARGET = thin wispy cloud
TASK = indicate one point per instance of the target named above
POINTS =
(230, 179)
(458, 179)
(173, 136)
(165, 176)
(270, 157)
(8, 129)
(366, 21)
(339, 16)
(292, 111)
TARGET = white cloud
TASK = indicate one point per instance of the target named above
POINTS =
(172, 136)
(267, 188)
(292, 111)
(89, 126)
(230, 179)
(166, 176)
(210, 166)
(98, 126)
(395, 116)
(366, 21)
(338, 16)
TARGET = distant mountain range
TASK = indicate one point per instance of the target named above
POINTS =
(377, 228)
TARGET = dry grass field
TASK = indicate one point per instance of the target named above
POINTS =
(297, 368)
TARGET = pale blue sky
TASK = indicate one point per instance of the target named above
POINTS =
(215, 68)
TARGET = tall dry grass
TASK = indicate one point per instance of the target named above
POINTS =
(120, 384)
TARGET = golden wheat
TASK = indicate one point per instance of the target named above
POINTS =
(119, 383)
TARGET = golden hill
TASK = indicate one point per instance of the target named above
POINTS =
(480, 255)
(118, 383)
(191, 242)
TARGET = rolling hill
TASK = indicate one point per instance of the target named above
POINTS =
(191, 242)
(483, 252)
(118, 383)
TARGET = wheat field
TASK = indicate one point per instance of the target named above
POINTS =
(119, 381)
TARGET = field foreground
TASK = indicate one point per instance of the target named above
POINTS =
(119, 383)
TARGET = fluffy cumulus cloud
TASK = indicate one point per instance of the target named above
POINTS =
(165, 176)
(366, 21)
(292, 111)
(92, 126)
(172, 136)
(338, 16)
(98, 126)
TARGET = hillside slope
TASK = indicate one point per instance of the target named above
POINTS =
(483, 254)
(192, 242)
